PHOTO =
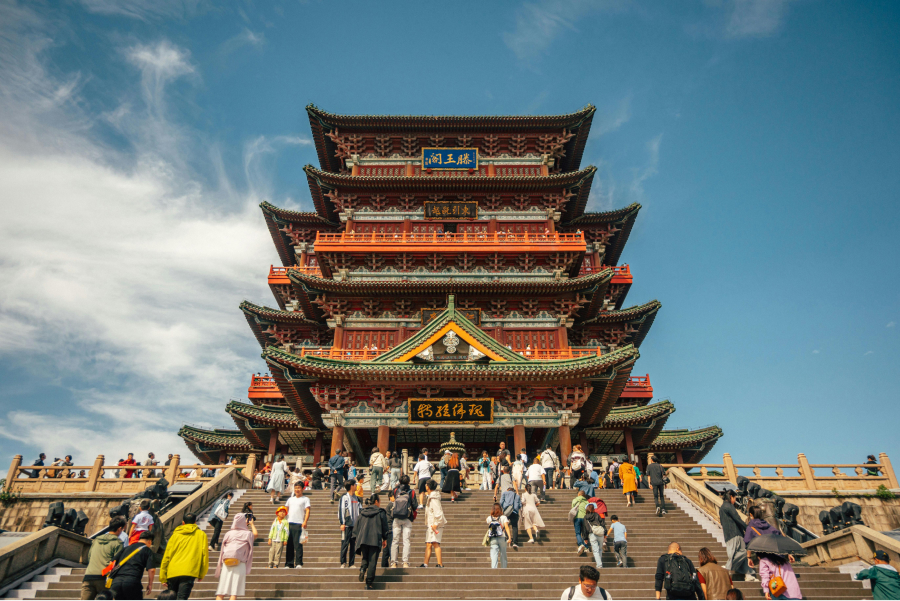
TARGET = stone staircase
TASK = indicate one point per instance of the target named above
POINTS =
(536, 571)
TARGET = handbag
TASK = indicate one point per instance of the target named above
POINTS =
(110, 570)
(573, 513)
(220, 511)
(486, 541)
(508, 511)
(231, 561)
(777, 587)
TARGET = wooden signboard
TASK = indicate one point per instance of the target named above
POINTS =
(451, 209)
(461, 410)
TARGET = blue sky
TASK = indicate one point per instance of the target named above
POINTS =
(138, 136)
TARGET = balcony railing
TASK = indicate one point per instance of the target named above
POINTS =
(263, 382)
(279, 274)
(369, 354)
(444, 238)
(639, 382)
(621, 273)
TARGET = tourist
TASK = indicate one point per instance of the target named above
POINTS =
(169, 459)
(777, 566)
(614, 473)
(316, 478)
(548, 462)
(629, 483)
(142, 522)
(586, 588)
(536, 477)
(657, 476)
(104, 548)
(236, 558)
(585, 484)
(277, 479)
(219, 515)
(871, 471)
(266, 474)
(278, 536)
(735, 594)
(620, 540)
(131, 562)
(677, 574)
(733, 528)
(502, 450)
(484, 468)
(499, 536)
(593, 530)
(450, 482)
(298, 507)
(247, 510)
(164, 594)
(523, 455)
(579, 509)
(638, 479)
(348, 513)
(186, 558)
(396, 464)
(757, 527)
(531, 517)
(151, 461)
(402, 499)
(38, 463)
(336, 472)
(434, 524)
(504, 482)
(577, 462)
(444, 465)
(883, 576)
(352, 472)
(129, 473)
(371, 534)
(714, 579)
(518, 473)
(512, 508)
(423, 470)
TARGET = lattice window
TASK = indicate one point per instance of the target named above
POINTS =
(380, 227)
(527, 227)
(427, 228)
(359, 339)
(472, 228)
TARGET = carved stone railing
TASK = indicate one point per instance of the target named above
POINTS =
(229, 478)
(849, 545)
(806, 479)
(23, 556)
(58, 480)
(697, 493)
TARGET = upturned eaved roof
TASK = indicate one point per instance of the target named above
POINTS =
(322, 122)
(262, 318)
(640, 318)
(323, 181)
(645, 422)
(206, 444)
(694, 444)
(623, 219)
(278, 218)
(256, 422)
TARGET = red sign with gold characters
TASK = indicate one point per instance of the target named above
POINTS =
(461, 410)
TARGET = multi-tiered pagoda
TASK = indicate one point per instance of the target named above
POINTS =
(450, 280)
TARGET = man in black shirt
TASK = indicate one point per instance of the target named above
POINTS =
(126, 582)
(733, 528)
(39, 462)
(657, 475)
(677, 574)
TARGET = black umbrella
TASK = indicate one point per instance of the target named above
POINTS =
(777, 544)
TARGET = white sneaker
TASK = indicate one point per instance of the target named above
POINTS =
(298, 567)
(751, 578)
(405, 564)
(393, 564)
(421, 507)
(582, 549)
(343, 565)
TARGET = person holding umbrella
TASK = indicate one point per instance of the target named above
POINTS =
(756, 528)
(776, 554)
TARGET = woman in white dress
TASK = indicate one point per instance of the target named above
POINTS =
(518, 471)
(531, 518)
(434, 524)
(277, 479)
(236, 558)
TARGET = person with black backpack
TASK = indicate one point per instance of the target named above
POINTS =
(677, 574)
(403, 511)
(587, 587)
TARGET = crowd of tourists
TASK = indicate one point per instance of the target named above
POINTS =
(378, 529)
(128, 468)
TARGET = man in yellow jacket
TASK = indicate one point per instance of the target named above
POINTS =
(186, 558)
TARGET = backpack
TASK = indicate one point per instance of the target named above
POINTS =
(602, 593)
(402, 507)
(577, 464)
(495, 530)
(679, 578)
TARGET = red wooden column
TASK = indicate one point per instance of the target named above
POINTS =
(629, 443)
(273, 442)
(583, 441)
(519, 439)
(678, 457)
(317, 451)
(384, 437)
(565, 444)
(337, 439)
(223, 457)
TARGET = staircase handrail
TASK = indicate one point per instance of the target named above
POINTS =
(698, 494)
(23, 556)
(849, 545)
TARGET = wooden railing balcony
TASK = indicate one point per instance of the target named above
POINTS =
(263, 382)
(279, 274)
(429, 242)
(621, 273)
(369, 354)
(639, 382)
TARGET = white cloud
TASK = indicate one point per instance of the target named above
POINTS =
(649, 170)
(122, 271)
(867, 353)
(247, 37)
(891, 324)
(607, 193)
(258, 177)
(145, 10)
(815, 352)
(756, 18)
(609, 121)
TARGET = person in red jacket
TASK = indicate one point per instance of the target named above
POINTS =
(129, 461)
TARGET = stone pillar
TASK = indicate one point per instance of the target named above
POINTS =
(13, 472)
(518, 439)
(629, 443)
(565, 444)
(404, 462)
(807, 472)
(679, 458)
(251, 466)
(337, 439)
(172, 470)
(730, 470)
(887, 470)
(317, 450)
(273, 443)
(384, 438)
(96, 474)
